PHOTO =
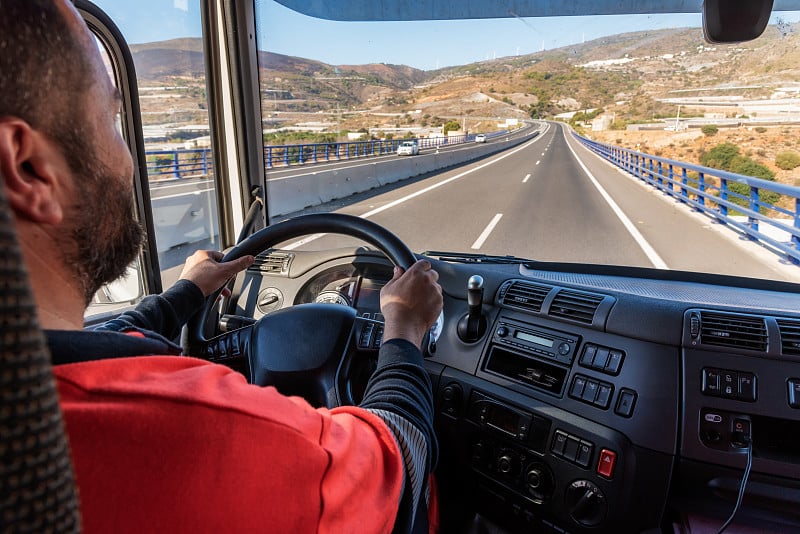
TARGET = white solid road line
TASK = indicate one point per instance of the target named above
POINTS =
(406, 198)
(486, 231)
(649, 251)
(157, 186)
(527, 176)
(186, 194)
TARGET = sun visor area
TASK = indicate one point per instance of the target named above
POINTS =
(399, 10)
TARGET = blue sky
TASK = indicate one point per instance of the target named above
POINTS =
(424, 45)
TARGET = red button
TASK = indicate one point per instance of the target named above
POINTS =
(605, 466)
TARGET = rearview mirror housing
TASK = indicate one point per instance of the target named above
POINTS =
(734, 21)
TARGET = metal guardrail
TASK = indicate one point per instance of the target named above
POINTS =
(186, 163)
(299, 154)
(714, 193)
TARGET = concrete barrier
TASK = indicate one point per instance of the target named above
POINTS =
(184, 218)
(191, 217)
(310, 188)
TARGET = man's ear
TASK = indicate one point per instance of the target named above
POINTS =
(33, 172)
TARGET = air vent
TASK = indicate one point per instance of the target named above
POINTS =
(524, 295)
(790, 336)
(733, 331)
(273, 262)
(575, 306)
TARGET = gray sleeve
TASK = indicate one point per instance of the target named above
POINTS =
(400, 393)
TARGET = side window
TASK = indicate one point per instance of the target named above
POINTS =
(129, 288)
(167, 49)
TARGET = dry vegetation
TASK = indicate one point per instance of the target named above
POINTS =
(762, 145)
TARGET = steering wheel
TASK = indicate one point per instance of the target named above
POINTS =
(300, 350)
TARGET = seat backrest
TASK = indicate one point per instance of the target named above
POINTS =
(37, 486)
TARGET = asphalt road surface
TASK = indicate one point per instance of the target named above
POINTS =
(551, 199)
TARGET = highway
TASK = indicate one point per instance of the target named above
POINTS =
(550, 199)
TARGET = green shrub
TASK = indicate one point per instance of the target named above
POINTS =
(764, 197)
(761, 129)
(787, 160)
(749, 167)
(709, 129)
(720, 156)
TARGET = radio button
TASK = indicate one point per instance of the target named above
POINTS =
(502, 331)
(730, 383)
(589, 352)
(590, 391)
(603, 396)
(571, 448)
(564, 349)
(625, 402)
(584, 454)
(614, 362)
(559, 442)
(578, 383)
(600, 358)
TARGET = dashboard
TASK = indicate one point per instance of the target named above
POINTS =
(591, 401)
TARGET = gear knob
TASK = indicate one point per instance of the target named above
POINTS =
(475, 294)
(472, 326)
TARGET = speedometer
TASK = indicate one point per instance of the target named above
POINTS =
(332, 297)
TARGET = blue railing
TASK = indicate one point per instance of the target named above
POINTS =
(717, 194)
(188, 163)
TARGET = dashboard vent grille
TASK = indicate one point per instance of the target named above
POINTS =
(575, 306)
(790, 336)
(273, 262)
(524, 295)
(733, 331)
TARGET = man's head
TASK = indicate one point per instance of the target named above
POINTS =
(66, 167)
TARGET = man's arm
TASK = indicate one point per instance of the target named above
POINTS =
(166, 313)
(399, 391)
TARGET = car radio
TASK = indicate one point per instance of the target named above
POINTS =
(542, 342)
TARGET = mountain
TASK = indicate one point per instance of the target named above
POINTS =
(631, 73)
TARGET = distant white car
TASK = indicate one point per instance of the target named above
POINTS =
(480, 138)
(408, 148)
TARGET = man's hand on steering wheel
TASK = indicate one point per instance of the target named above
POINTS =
(205, 270)
(411, 302)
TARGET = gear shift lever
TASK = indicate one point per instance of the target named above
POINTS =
(472, 326)
(475, 294)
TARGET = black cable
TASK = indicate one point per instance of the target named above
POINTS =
(741, 487)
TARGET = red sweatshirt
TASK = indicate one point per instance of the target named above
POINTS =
(175, 444)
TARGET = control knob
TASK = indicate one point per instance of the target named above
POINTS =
(538, 482)
(586, 503)
(507, 463)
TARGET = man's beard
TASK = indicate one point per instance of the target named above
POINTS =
(107, 237)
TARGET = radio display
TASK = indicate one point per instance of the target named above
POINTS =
(504, 420)
(525, 336)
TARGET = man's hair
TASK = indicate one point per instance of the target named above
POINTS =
(44, 72)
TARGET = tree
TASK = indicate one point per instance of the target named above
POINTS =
(451, 126)
(709, 129)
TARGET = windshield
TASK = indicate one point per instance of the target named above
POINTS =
(648, 148)
(658, 90)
